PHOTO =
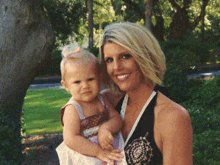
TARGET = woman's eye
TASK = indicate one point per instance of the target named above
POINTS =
(90, 79)
(108, 60)
(126, 56)
(76, 82)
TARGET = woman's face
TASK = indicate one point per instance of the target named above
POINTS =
(122, 67)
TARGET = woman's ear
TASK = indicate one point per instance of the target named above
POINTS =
(64, 84)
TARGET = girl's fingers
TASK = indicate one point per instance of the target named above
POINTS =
(109, 147)
(115, 156)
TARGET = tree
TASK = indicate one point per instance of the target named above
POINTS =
(26, 45)
(103, 12)
(178, 12)
(181, 20)
(90, 19)
(148, 14)
(65, 17)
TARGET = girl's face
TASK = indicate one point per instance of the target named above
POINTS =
(122, 67)
(81, 80)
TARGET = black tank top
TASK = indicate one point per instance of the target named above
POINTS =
(141, 147)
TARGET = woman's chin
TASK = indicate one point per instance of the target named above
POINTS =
(124, 88)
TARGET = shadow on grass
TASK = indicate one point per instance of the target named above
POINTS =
(40, 149)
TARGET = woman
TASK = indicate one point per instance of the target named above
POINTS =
(156, 130)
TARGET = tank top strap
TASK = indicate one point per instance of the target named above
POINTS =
(102, 100)
(79, 109)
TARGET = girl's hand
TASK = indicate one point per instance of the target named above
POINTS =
(105, 139)
(110, 156)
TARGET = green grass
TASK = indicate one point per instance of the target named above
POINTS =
(41, 111)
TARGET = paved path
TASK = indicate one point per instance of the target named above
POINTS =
(55, 82)
(45, 86)
(206, 74)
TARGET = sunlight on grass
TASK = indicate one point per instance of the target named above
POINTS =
(33, 96)
(41, 110)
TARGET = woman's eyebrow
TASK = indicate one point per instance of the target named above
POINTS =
(125, 52)
(122, 53)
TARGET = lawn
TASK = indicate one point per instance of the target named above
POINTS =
(41, 111)
(41, 116)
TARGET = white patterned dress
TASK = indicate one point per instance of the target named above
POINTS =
(89, 128)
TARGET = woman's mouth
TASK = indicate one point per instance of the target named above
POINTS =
(122, 77)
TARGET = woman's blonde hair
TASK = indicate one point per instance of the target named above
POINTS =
(74, 56)
(143, 46)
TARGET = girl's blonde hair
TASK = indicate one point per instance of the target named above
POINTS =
(143, 46)
(74, 56)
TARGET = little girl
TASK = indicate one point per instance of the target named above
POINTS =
(89, 121)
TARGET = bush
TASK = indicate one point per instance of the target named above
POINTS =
(206, 148)
(54, 67)
(186, 51)
(10, 144)
(203, 119)
(179, 86)
(94, 50)
(208, 95)
(206, 141)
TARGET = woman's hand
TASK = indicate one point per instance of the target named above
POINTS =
(110, 156)
(105, 139)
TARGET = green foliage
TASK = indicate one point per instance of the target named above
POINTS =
(204, 110)
(103, 11)
(65, 17)
(203, 119)
(10, 143)
(133, 12)
(54, 67)
(185, 53)
(206, 147)
(208, 94)
(178, 85)
(94, 50)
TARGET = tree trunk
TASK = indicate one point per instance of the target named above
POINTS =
(158, 29)
(180, 23)
(90, 10)
(203, 20)
(148, 14)
(26, 44)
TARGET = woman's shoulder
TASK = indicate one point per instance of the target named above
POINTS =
(168, 106)
(170, 113)
(112, 97)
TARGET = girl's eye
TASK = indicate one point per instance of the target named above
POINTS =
(108, 60)
(77, 82)
(126, 56)
(90, 79)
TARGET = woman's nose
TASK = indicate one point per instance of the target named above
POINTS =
(117, 65)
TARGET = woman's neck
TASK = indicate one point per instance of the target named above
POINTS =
(140, 95)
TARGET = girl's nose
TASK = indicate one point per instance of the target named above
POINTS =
(85, 84)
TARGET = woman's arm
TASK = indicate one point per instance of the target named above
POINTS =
(176, 133)
(76, 142)
(113, 98)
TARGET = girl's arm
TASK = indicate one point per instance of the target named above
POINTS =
(76, 142)
(176, 134)
(109, 128)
